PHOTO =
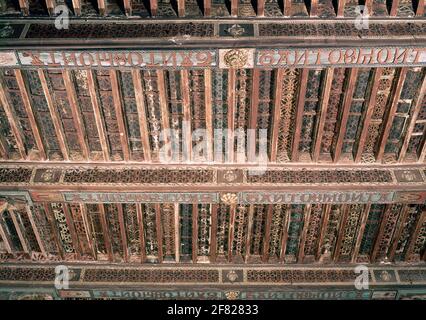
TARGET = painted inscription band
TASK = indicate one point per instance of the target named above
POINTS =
(222, 58)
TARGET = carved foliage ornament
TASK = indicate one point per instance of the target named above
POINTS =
(236, 58)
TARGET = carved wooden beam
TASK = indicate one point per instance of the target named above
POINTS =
(306, 218)
(299, 114)
(234, 8)
(159, 232)
(187, 128)
(127, 7)
(341, 8)
(49, 215)
(394, 8)
(194, 232)
(102, 7)
(380, 233)
(266, 240)
(3, 148)
(54, 115)
(164, 110)
(73, 233)
(97, 113)
(367, 116)
(231, 231)
(389, 117)
(76, 4)
(76, 114)
(143, 124)
(409, 257)
(5, 236)
(260, 8)
(420, 8)
(231, 115)
(50, 5)
(341, 124)
(88, 229)
(364, 217)
(181, 8)
(325, 97)
(35, 230)
(21, 234)
(209, 112)
(177, 232)
(105, 232)
(119, 115)
(153, 4)
(30, 114)
(313, 12)
(207, 7)
(343, 220)
(14, 126)
(25, 9)
(287, 8)
(213, 236)
(416, 108)
(398, 231)
(279, 76)
(249, 232)
(251, 143)
(323, 229)
(141, 231)
(123, 235)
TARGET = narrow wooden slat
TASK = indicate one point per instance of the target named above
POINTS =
(394, 8)
(105, 232)
(369, 5)
(347, 102)
(323, 230)
(422, 153)
(177, 232)
(76, 4)
(299, 114)
(284, 236)
(30, 114)
(209, 112)
(389, 117)
(50, 4)
(181, 8)
(416, 107)
(360, 234)
(4, 235)
(140, 104)
(153, 4)
(3, 149)
(14, 126)
(35, 230)
(127, 7)
(380, 233)
(207, 7)
(164, 110)
(231, 116)
(260, 8)
(71, 227)
(343, 220)
(54, 115)
(251, 143)
(97, 113)
(159, 232)
(287, 8)
(123, 235)
(55, 230)
(306, 218)
(76, 114)
(279, 76)
(88, 229)
(213, 236)
(398, 231)
(367, 117)
(266, 239)
(420, 8)
(231, 231)
(119, 114)
(313, 12)
(21, 235)
(187, 131)
(23, 4)
(101, 7)
(141, 231)
(194, 232)
(234, 8)
(249, 232)
(415, 234)
(325, 97)
(341, 8)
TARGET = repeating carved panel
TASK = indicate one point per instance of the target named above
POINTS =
(204, 230)
(62, 228)
(198, 112)
(7, 137)
(10, 231)
(81, 230)
(389, 224)
(168, 229)
(98, 234)
(111, 214)
(174, 101)
(27, 230)
(220, 108)
(314, 226)
(277, 230)
(151, 241)
(185, 220)
(294, 232)
(370, 233)
(414, 213)
(222, 230)
(244, 83)
(350, 231)
(132, 230)
(45, 229)
(331, 233)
